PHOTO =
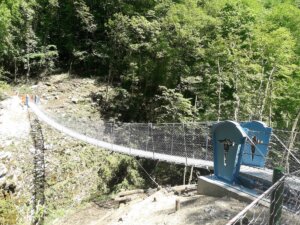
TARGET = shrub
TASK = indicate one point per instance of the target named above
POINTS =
(4, 87)
(8, 212)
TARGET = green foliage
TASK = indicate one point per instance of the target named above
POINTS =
(126, 107)
(118, 172)
(84, 15)
(288, 100)
(230, 59)
(8, 212)
(161, 61)
(44, 59)
(170, 106)
(4, 87)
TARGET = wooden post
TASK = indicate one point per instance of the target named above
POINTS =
(177, 205)
(191, 175)
(276, 198)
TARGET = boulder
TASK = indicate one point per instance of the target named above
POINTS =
(74, 100)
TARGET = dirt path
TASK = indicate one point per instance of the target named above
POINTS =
(194, 210)
(90, 215)
(14, 123)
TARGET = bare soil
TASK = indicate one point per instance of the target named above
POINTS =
(159, 209)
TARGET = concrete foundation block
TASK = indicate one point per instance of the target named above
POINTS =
(211, 186)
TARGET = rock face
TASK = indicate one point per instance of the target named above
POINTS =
(3, 170)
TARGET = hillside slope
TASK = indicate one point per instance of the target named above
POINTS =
(78, 176)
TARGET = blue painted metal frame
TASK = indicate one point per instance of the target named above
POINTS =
(260, 134)
(231, 136)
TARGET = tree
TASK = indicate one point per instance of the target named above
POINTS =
(277, 52)
(170, 106)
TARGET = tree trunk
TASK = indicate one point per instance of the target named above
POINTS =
(130, 192)
(262, 107)
(70, 68)
(270, 106)
(195, 105)
(237, 109)
(28, 68)
(108, 80)
(292, 139)
(27, 27)
(16, 69)
(257, 101)
(191, 175)
(219, 90)
(237, 98)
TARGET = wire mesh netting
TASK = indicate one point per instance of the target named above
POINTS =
(285, 150)
(194, 141)
(280, 204)
(191, 140)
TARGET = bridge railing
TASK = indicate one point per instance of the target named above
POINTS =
(263, 210)
(193, 141)
(190, 140)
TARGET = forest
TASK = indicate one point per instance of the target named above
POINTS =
(168, 60)
(153, 61)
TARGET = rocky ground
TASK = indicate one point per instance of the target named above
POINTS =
(71, 166)
(158, 209)
(77, 172)
(15, 154)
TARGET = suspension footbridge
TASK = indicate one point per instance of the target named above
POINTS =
(189, 145)
(184, 144)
